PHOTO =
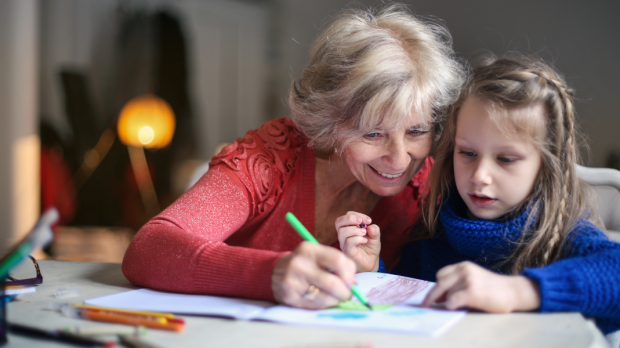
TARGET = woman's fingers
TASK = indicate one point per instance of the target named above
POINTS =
(286, 282)
(336, 262)
(319, 300)
(324, 268)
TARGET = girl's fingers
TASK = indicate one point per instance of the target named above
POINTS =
(353, 242)
(446, 271)
(432, 296)
(373, 232)
(466, 285)
(457, 299)
(352, 218)
(446, 281)
(350, 231)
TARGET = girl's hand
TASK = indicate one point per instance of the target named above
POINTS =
(313, 276)
(362, 244)
(467, 285)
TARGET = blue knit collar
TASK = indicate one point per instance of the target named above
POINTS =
(485, 241)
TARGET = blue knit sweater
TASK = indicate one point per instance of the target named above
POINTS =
(586, 279)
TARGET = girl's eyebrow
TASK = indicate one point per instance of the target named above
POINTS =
(458, 140)
(510, 148)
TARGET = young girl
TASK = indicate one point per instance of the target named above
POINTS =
(508, 217)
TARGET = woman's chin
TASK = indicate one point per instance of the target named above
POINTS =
(387, 189)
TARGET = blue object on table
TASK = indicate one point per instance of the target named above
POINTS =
(40, 235)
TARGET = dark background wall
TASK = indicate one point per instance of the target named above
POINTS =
(242, 55)
(581, 38)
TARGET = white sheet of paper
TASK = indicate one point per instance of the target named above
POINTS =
(380, 288)
(158, 301)
(401, 319)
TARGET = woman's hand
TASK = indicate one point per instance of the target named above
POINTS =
(313, 276)
(362, 244)
(467, 285)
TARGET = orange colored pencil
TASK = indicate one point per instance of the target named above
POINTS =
(154, 322)
(134, 320)
(129, 311)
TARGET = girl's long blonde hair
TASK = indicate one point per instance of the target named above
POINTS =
(559, 197)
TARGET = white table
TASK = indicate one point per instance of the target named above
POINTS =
(95, 279)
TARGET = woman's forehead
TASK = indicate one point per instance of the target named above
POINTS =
(391, 121)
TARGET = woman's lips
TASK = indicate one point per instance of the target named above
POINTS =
(481, 201)
(387, 176)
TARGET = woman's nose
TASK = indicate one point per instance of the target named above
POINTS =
(398, 155)
(481, 174)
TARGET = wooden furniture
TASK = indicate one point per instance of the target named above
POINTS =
(94, 279)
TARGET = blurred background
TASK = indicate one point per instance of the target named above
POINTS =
(77, 75)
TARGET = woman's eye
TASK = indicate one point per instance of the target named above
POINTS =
(418, 131)
(372, 135)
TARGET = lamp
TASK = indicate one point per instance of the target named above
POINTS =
(145, 121)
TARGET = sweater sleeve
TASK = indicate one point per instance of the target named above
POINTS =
(183, 249)
(587, 281)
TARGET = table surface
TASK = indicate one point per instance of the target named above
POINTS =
(94, 279)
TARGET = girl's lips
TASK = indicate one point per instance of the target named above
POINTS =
(481, 201)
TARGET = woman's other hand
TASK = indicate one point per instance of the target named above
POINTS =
(468, 285)
(359, 240)
(313, 276)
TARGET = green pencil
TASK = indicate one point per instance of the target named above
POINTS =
(305, 234)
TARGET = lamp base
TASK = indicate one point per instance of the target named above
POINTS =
(143, 178)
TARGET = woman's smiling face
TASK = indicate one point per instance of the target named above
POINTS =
(385, 160)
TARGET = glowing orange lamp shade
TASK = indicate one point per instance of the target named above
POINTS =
(146, 121)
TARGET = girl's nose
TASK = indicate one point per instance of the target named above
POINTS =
(481, 174)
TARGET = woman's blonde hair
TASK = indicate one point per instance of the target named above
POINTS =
(374, 67)
(559, 197)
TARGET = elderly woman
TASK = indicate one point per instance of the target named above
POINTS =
(364, 115)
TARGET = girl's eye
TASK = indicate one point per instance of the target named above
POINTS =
(468, 153)
(506, 159)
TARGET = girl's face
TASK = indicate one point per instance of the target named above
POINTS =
(494, 172)
(385, 160)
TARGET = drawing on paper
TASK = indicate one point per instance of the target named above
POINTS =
(343, 315)
(396, 291)
(407, 313)
(359, 307)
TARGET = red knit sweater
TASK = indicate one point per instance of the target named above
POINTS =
(225, 235)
